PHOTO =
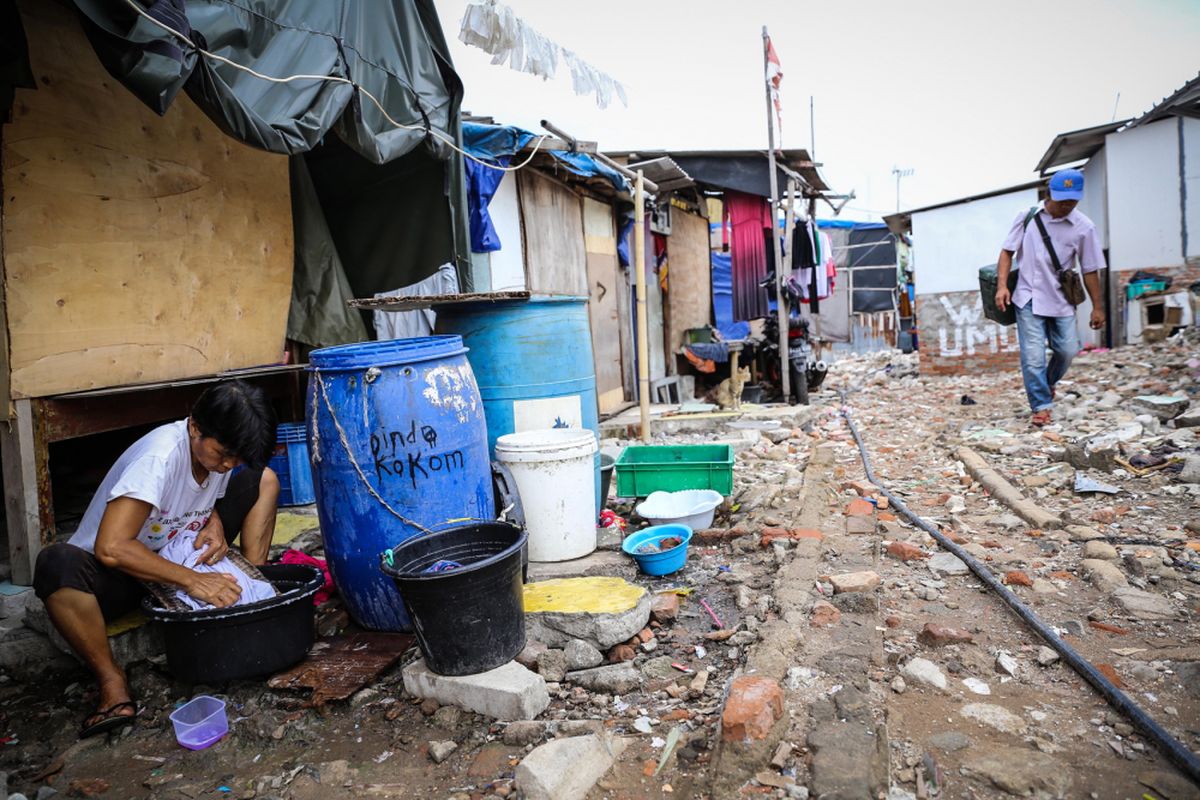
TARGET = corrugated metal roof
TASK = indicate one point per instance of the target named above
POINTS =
(1183, 102)
(1076, 145)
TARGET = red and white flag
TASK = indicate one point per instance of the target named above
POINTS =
(774, 78)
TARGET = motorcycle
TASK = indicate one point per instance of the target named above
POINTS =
(807, 369)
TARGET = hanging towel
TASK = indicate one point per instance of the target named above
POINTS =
(182, 550)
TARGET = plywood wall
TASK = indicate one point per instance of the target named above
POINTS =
(689, 277)
(136, 248)
(552, 221)
(604, 276)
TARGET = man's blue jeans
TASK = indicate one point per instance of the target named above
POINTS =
(1035, 333)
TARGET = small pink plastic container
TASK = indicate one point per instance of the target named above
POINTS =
(200, 722)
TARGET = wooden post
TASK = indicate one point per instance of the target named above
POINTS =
(19, 457)
(643, 324)
(785, 371)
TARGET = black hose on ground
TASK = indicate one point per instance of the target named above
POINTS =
(1175, 751)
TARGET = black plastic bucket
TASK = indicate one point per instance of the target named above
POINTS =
(607, 463)
(470, 619)
(225, 644)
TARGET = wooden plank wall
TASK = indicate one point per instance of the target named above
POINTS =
(604, 275)
(689, 277)
(552, 221)
(136, 248)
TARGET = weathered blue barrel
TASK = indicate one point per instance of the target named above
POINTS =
(398, 444)
(533, 361)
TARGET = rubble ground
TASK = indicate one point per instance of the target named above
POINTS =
(853, 657)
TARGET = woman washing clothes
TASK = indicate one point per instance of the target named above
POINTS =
(167, 484)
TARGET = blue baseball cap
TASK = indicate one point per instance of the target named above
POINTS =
(1066, 185)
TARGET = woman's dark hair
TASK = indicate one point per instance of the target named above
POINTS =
(238, 416)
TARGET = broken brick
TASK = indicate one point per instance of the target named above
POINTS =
(824, 614)
(934, 635)
(860, 508)
(665, 607)
(1107, 671)
(1017, 578)
(754, 705)
(906, 551)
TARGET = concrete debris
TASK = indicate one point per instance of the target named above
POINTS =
(567, 768)
(924, 671)
(994, 716)
(509, 692)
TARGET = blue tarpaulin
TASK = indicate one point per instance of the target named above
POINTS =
(722, 293)
(497, 144)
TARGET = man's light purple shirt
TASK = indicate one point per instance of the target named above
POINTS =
(1074, 237)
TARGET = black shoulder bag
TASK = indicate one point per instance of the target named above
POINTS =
(1068, 279)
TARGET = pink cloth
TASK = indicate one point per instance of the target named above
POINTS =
(291, 556)
(750, 217)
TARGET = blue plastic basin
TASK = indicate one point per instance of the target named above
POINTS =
(667, 561)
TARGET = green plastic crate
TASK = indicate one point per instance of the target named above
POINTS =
(643, 469)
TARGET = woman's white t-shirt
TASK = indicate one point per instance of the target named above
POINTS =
(156, 469)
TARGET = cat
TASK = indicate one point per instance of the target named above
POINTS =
(725, 396)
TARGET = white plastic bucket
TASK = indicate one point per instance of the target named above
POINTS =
(555, 474)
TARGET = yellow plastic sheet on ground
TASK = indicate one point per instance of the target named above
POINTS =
(134, 619)
(288, 526)
(586, 595)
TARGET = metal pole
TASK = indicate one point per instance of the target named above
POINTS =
(643, 326)
(785, 372)
(812, 214)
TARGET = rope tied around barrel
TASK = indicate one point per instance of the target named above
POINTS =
(362, 476)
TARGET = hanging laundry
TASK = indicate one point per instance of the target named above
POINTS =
(749, 216)
(410, 324)
(660, 259)
(495, 29)
(482, 183)
(182, 550)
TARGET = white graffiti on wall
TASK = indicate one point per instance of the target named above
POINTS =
(969, 328)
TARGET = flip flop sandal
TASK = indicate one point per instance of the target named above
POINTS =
(110, 720)
(1041, 419)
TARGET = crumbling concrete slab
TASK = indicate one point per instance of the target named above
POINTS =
(566, 769)
(509, 692)
(602, 611)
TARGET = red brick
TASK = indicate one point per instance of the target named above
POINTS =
(1107, 671)
(774, 534)
(934, 635)
(665, 607)
(755, 704)
(1017, 578)
(906, 551)
(824, 614)
(621, 652)
(860, 508)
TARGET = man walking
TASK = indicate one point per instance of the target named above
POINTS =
(1044, 315)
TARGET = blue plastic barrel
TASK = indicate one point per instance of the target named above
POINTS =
(533, 361)
(290, 464)
(398, 443)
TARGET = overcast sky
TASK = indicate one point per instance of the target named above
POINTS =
(967, 94)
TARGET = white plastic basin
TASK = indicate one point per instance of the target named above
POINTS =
(692, 507)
